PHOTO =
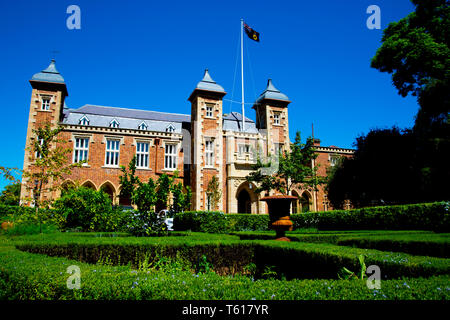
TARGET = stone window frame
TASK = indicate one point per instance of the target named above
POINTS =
(209, 114)
(212, 141)
(82, 136)
(105, 141)
(149, 142)
(174, 155)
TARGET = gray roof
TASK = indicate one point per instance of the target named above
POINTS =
(233, 122)
(272, 93)
(100, 116)
(49, 75)
(132, 113)
(208, 84)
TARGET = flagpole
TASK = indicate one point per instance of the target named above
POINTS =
(242, 73)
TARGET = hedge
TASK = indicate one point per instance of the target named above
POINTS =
(230, 256)
(427, 216)
(25, 276)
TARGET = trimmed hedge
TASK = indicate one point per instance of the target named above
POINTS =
(25, 276)
(426, 216)
(230, 256)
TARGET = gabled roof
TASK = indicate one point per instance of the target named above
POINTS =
(272, 93)
(50, 74)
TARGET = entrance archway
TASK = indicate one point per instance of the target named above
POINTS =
(244, 202)
(89, 184)
(109, 190)
(296, 202)
(305, 202)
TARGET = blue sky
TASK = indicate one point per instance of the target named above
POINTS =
(151, 54)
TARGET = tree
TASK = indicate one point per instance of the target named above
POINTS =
(11, 195)
(144, 196)
(128, 180)
(50, 165)
(291, 169)
(381, 171)
(181, 200)
(213, 192)
(416, 52)
(164, 185)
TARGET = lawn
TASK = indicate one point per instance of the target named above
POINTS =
(238, 266)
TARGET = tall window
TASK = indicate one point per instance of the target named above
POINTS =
(170, 156)
(209, 110)
(81, 150)
(209, 152)
(276, 118)
(45, 103)
(243, 149)
(208, 202)
(112, 153)
(142, 155)
(41, 143)
(278, 147)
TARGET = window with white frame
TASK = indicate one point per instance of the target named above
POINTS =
(209, 110)
(143, 126)
(81, 149)
(142, 154)
(208, 202)
(114, 123)
(209, 153)
(278, 147)
(170, 156)
(84, 121)
(45, 103)
(276, 118)
(112, 152)
(333, 160)
(38, 155)
(243, 149)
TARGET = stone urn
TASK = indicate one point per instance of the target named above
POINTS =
(279, 212)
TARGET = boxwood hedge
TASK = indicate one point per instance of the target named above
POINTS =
(426, 216)
(26, 276)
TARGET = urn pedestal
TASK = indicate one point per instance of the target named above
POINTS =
(279, 215)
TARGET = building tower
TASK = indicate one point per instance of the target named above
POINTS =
(272, 118)
(46, 106)
(206, 141)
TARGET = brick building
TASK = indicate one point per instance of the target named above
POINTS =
(199, 145)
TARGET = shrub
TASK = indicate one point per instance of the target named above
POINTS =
(146, 223)
(30, 228)
(89, 209)
(201, 221)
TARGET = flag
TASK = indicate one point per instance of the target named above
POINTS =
(252, 34)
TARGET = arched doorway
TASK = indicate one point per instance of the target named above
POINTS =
(244, 202)
(296, 202)
(66, 185)
(109, 190)
(305, 202)
(89, 184)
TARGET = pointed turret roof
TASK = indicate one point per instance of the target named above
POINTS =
(208, 84)
(50, 74)
(272, 93)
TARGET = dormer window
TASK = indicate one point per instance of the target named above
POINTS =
(170, 128)
(84, 121)
(276, 118)
(45, 103)
(114, 123)
(143, 126)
